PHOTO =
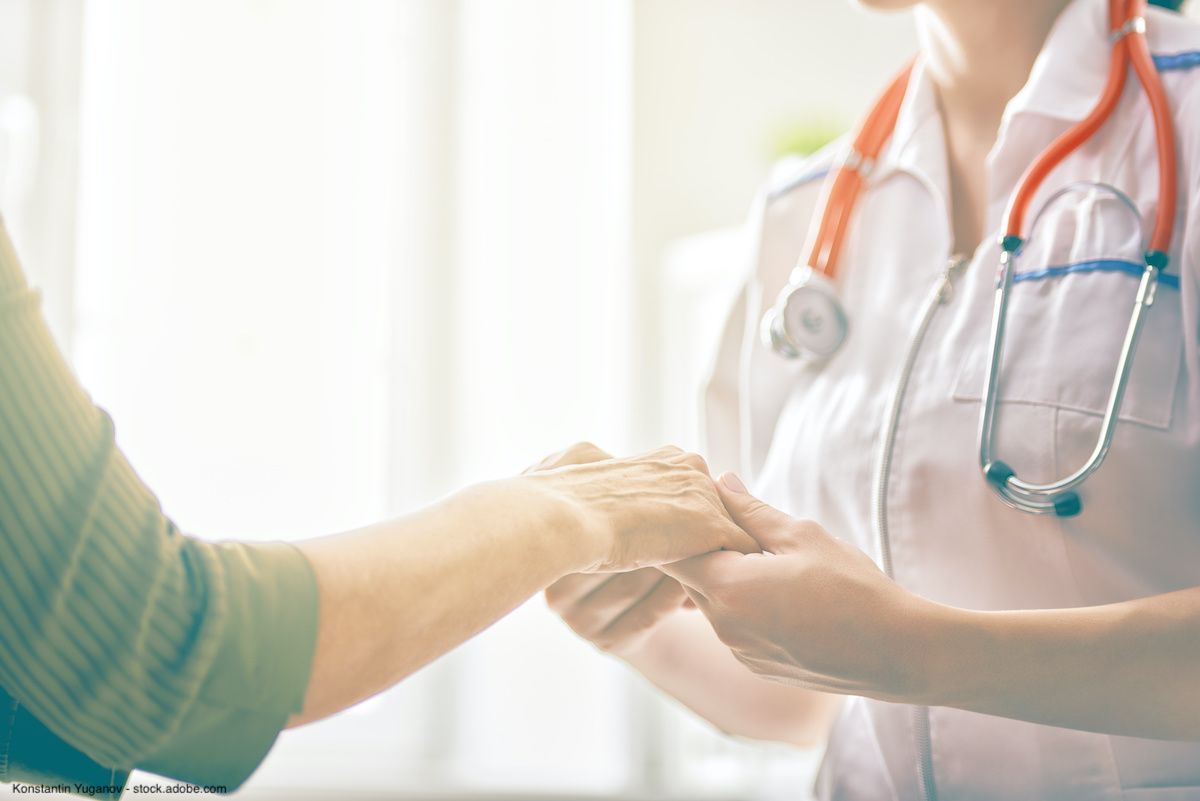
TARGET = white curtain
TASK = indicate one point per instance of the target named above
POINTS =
(336, 259)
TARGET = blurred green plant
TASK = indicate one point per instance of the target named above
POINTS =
(805, 138)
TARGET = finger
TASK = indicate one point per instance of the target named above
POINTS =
(664, 597)
(696, 462)
(738, 540)
(622, 590)
(689, 601)
(694, 599)
(774, 530)
(596, 611)
(706, 573)
(564, 593)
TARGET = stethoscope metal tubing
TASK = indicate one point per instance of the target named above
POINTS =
(1055, 497)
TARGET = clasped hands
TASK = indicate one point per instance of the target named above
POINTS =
(792, 602)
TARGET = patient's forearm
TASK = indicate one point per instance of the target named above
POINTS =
(396, 595)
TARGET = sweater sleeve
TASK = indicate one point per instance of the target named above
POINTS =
(135, 644)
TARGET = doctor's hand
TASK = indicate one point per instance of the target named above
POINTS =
(638, 512)
(810, 610)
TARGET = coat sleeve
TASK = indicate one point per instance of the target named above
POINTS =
(134, 644)
(727, 410)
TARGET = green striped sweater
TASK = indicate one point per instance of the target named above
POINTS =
(124, 643)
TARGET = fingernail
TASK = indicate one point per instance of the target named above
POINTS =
(733, 483)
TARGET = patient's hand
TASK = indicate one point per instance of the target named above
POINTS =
(642, 511)
(617, 613)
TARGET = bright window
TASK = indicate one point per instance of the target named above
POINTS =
(325, 261)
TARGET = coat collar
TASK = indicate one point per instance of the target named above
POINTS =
(1064, 84)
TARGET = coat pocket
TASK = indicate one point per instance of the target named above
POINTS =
(1064, 337)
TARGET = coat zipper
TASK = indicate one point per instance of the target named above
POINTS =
(943, 293)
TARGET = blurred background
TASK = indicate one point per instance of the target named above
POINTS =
(324, 261)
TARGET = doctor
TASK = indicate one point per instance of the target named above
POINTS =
(944, 641)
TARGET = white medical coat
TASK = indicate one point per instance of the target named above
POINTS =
(809, 437)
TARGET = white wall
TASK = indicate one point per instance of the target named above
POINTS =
(39, 127)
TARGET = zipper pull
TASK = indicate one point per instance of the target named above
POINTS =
(954, 265)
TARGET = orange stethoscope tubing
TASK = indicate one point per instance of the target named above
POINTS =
(1126, 22)
(845, 184)
(842, 189)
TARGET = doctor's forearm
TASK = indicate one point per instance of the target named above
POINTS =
(684, 659)
(397, 595)
(1126, 668)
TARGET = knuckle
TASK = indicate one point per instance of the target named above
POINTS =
(759, 513)
(756, 508)
(582, 448)
(696, 461)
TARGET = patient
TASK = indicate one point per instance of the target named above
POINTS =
(127, 644)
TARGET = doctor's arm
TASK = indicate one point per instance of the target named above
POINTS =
(638, 618)
(815, 612)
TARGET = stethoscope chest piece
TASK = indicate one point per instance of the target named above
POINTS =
(807, 321)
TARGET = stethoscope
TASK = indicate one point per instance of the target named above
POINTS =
(809, 322)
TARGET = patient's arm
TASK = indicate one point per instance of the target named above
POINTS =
(396, 595)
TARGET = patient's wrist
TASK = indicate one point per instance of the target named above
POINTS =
(558, 526)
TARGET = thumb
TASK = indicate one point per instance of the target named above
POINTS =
(774, 530)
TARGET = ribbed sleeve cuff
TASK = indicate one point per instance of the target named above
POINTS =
(137, 646)
(261, 670)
